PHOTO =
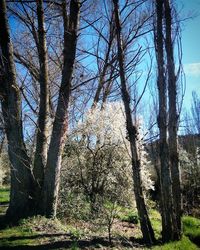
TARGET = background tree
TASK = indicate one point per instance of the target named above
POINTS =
(196, 111)
(190, 172)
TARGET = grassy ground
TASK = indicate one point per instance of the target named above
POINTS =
(41, 233)
(4, 195)
(191, 233)
(191, 228)
(183, 244)
(4, 199)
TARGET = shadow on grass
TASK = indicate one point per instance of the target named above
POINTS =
(68, 243)
(35, 236)
(3, 223)
(195, 240)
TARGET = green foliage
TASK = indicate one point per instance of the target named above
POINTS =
(4, 195)
(73, 205)
(97, 163)
(183, 244)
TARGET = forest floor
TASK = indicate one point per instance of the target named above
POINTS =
(41, 233)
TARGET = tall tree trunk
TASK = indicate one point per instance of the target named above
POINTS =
(147, 231)
(106, 65)
(60, 126)
(165, 181)
(43, 116)
(2, 140)
(108, 86)
(21, 178)
(173, 124)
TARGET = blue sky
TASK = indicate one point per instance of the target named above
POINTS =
(191, 47)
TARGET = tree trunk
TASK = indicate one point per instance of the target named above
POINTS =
(166, 185)
(43, 116)
(147, 231)
(60, 126)
(173, 124)
(21, 178)
(104, 70)
(2, 140)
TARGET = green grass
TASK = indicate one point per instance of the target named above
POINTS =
(16, 236)
(3, 209)
(4, 194)
(191, 231)
(40, 224)
(191, 228)
(183, 244)
(127, 215)
(31, 232)
(156, 222)
(130, 215)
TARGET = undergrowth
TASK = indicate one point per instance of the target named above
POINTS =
(39, 230)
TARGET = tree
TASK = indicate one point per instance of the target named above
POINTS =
(147, 230)
(190, 172)
(167, 123)
(173, 123)
(21, 178)
(43, 115)
(165, 175)
(23, 192)
(196, 111)
(60, 125)
(97, 162)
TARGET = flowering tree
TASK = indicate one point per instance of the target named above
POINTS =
(97, 158)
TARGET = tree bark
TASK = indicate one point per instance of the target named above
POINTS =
(21, 178)
(165, 175)
(43, 116)
(146, 228)
(173, 124)
(106, 65)
(60, 125)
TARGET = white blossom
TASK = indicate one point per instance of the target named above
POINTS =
(107, 126)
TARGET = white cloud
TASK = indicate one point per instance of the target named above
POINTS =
(192, 69)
